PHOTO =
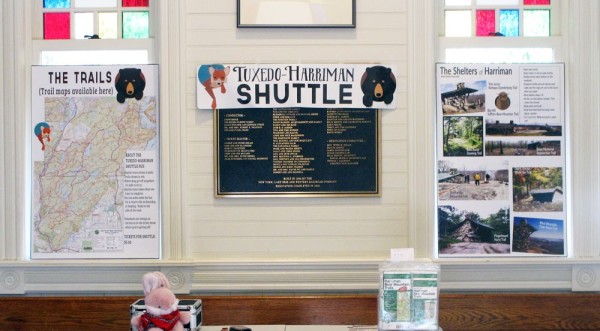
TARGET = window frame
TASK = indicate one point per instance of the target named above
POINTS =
(39, 44)
(554, 41)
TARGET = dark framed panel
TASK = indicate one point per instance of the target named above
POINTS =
(296, 13)
(297, 152)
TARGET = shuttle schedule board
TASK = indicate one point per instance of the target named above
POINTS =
(297, 152)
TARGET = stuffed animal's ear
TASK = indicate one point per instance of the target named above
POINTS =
(154, 280)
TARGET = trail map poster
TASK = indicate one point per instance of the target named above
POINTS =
(95, 162)
(501, 160)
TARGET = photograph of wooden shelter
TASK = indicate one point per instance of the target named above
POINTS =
(545, 195)
(510, 128)
(467, 232)
(472, 231)
(463, 99)
(506, 147)
(538, 189)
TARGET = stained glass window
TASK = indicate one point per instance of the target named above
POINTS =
(497, 2)
(513, 21)
(84, 25)
(135, 3)
(536, 23)
(95, 3)
(509, 22)
(509, 18)
(107, 25)
(99, 20)
(57, 3)
(135, 25)
(458, 23)
(536, 2)
(458, 3)
(57, 25)
(486, 22)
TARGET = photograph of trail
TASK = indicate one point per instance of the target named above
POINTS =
(463, 136)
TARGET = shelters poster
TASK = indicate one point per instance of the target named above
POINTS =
(95, 162)
(501, 160)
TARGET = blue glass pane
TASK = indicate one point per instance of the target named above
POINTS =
(57, 3)
(509, 22)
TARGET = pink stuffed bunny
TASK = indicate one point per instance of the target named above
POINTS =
(162, 313)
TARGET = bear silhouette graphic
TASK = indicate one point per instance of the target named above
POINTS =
(378, 84)
(130, 83)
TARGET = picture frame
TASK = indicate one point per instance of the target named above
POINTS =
(296, 13)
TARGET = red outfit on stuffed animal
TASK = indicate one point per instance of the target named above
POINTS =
(165, 322)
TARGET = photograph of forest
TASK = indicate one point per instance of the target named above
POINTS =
(463, 136)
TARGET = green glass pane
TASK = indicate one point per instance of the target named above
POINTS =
(135, 25)
(536, 23)
(458, 23)
(84, 25)
(107, 25)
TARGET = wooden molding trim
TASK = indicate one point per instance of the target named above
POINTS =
(458, 311)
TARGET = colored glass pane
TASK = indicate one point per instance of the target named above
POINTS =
(509, 22)
(458, 2)
(497, 2)
(57, 25)
(135, 3)
(57, 3)
(458, 23)
(84, 25)
(486, 22)
(536, 23)
(95, 3)
(107, 25)
(135, 25)
(536, 2)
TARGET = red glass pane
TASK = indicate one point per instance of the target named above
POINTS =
(135, 3)
(57, 26)
(486, 22)
(536, 2)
